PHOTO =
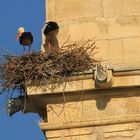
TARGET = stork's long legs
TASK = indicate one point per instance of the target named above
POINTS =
(24, 50)
(29, 49)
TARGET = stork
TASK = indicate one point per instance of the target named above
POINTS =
(25, 39)
(50, 31)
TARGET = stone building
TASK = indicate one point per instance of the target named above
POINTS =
(89, 110)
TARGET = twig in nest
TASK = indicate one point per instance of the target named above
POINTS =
(51, 67)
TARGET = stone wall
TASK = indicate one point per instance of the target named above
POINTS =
(114, 24)
(115, 27)
(99, 118)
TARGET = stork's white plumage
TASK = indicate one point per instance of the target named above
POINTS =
(25, 38)
(21, 30)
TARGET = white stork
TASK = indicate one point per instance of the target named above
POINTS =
(25, 38)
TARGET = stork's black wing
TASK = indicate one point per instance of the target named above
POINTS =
(26, 38)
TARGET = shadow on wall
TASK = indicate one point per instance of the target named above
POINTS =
(101, 102)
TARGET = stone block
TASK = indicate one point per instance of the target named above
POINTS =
(102, 51)
(123, 131)
(50, 10)
(116, 51)
(112, 8)
(63, 34)
(66, 134)
(118, 29)
(100, 110)
(70, 9)
(132, 20)
(131, 7)
(131, 49)
(88, 29)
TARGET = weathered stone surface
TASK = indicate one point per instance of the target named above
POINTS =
(98, 109)
(131, 50)
(70, 9)
(116, 30)
(116, 25)
(86, 30)
(116, 56)
(128, 131)
(131, 7)
(132, 20)
(50, 10)
(113, 8)
(103, 51)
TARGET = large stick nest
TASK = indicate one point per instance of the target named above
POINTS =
(49, 67)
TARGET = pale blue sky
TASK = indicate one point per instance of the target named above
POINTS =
(31, 15)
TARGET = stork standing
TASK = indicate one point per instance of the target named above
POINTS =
(25, 39)
(50, 31)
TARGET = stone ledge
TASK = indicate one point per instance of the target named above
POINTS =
(107, 121)
(126, 130)
(84, 83)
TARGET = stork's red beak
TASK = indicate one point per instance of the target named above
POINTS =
(17, 36)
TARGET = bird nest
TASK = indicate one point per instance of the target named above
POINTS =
(49, 67)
